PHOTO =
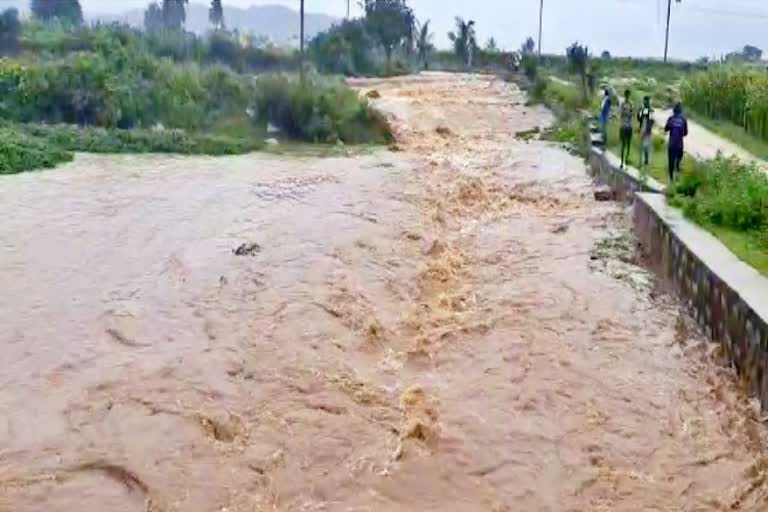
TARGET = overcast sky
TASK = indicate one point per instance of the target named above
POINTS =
(625, 27)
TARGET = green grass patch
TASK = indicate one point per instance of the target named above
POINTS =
(748, 246)
(729, 198)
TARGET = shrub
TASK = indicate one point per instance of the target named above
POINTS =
(100, 140)
(318, 112)
(21, 152)
(724, 192)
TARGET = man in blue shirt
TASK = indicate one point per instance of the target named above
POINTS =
(605, 115)
(677, 126)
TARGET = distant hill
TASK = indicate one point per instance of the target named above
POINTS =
(278, 23)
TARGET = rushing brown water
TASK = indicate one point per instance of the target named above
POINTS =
(454, 327)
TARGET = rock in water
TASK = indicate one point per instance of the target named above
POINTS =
(247, 249)
(604, 194)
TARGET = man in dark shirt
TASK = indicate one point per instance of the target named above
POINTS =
(677, 126)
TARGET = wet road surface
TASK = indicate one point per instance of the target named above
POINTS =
(453, 326)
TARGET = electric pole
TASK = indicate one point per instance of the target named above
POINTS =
(541, 20)
(301, 44)
(666, 40)
(347, 10)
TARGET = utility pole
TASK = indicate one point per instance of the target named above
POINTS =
(541, 20)
(666, 40)
(347, 10)
(301, 44)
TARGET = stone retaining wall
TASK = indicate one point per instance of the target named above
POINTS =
(728, 298)
(625, 183)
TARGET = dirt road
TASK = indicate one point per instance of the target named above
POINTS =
(454, 326)
(704, 144)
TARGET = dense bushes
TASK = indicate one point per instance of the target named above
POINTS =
(88, 89)
(724, 192)
(735, 94)
(319, 112)
(19, 152)
(55, 40)
(101, 140)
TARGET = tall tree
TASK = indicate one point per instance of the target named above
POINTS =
(424, 44)
(65, 10)
(174, 14)
(10, 32)
(153, 18)
(528, 47)
(464, 40)
(578, 59)
(492, 46)
(391, 22)
(216, 14)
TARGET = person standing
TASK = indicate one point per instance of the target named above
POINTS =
(605, 115)
(627, 116)
(645, 119)
(677, 126)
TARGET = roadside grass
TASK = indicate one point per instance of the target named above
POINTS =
(729, 198)
(748, 246)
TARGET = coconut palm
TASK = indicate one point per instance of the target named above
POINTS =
(424, 44)
(464, 40)
(216, 14)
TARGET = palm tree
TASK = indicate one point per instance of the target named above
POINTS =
(216, 14)
(464, 40)
(578, 58)
(424, 44)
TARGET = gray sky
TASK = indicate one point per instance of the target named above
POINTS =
(625, 27)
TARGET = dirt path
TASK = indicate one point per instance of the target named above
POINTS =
(454, 326)
(705, 145)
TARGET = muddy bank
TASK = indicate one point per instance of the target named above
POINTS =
(439, 328)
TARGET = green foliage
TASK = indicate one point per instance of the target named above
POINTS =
(68, 11)
(318, 112)
(20, 152)
(10, 32)
(344, 49)
(424, 44)
(733, 93)
(174, 14)
(724, 192)
(100, 140)
(530, 65)
(153, 18)
(578, 59)
(391, 22)
(464, 40)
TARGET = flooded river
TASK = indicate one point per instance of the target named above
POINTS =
(452, 326)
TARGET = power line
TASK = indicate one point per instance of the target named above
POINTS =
(723, 12)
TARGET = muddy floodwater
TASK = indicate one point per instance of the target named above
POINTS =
(453, 325)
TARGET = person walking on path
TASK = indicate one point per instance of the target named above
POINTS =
(605, 115)
(677, 126)
(645, 120)
(627, 115)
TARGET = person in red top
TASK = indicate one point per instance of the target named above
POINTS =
(677, 126)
